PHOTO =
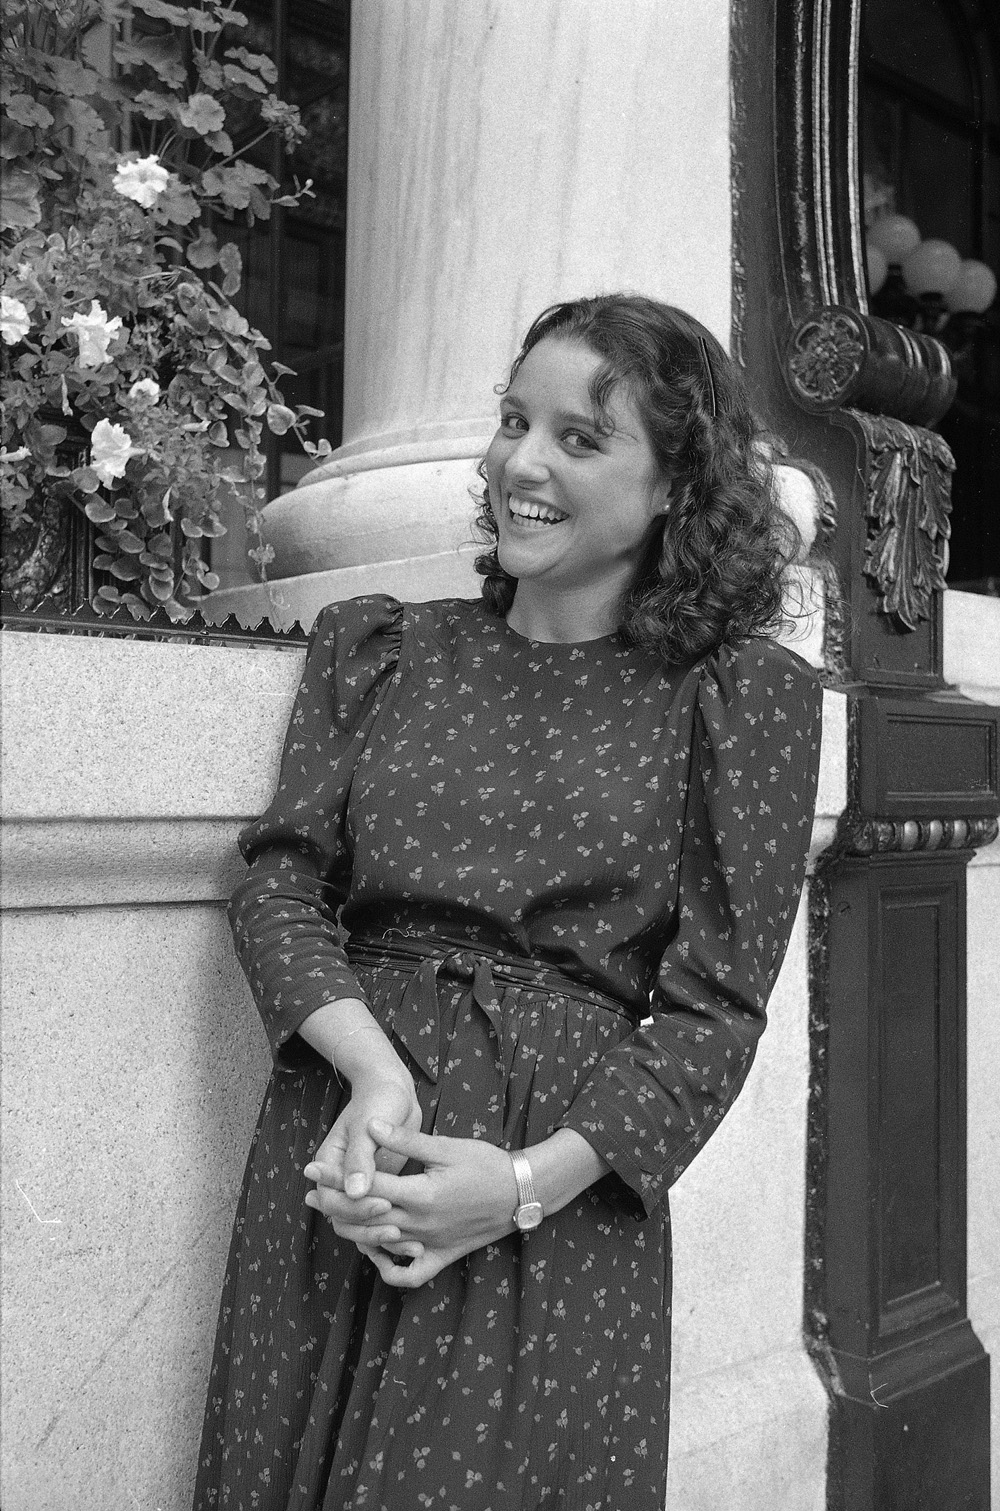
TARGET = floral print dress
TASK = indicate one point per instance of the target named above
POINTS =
(567, 874)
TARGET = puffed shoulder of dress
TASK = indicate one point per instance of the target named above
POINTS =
(651, 1103)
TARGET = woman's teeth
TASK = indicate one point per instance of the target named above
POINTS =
(539, 514)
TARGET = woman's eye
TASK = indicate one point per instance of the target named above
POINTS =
(578, 440)
(513, 424)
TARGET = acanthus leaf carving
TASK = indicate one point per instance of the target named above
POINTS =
(908, 505)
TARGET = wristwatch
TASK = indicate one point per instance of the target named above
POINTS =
(528, 1213)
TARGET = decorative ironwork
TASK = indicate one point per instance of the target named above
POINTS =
(909, 500)
(49, 617)
(826, 356)
(34, 553)
(881, 836)
(839, 357)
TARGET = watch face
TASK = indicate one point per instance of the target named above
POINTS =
(529, 1216)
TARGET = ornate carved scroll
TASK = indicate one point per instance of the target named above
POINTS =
(839, 357)
(908, 504)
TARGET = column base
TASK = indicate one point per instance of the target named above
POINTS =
(372, 514)
(925, 1448)
(445, 574)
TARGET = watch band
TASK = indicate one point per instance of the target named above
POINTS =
(528, 1212)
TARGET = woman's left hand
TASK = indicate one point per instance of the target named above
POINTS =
(461, 1200)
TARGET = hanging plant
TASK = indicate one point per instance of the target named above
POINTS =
(134, 388)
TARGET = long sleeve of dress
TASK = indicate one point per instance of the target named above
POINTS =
(283, 913)
(651, 1103)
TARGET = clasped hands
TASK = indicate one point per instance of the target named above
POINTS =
(461, 1200)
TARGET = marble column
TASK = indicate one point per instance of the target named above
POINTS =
(503, 156)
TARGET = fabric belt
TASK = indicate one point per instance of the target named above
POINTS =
(416, 1019)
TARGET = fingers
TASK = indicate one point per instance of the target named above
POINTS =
(360, 1233)
(335, 1205)
(359, 1162)
(409, 1277)
(428, 1148)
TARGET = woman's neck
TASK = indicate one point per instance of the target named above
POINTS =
(561, 618)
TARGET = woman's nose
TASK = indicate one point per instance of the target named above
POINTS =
(528, 460)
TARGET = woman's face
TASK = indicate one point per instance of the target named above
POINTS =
(574, 502)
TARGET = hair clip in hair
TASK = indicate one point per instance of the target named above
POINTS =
(706, 364)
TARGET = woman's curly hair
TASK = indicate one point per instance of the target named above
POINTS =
(714, 574)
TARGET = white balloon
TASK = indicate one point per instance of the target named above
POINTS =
(894, 235)
(973, 290)
(932, 267)
(877, 267)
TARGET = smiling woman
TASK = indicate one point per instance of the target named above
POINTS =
(553, 468)
(627, 416)
(566, 828)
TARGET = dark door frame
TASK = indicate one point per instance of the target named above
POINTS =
(885, 1289)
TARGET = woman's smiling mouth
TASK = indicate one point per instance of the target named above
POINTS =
(530, 514)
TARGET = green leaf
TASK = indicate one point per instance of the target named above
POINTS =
(231, 264)
(98, 511)
(190, 528)
(86, 479)
(153, 105)
(218, 434)
(125, 571)
(161, 54)
(28, 112)
(19, 206)
(70, 77)
(127, 541)
(221, 142)
(175, 14)
(203, 252)
(241, 82)
(177, 205)
(280, 418)
(89, 130)
(258, 62)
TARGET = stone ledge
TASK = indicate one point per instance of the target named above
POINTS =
(106, 729)
(103, 863)
(111, 862)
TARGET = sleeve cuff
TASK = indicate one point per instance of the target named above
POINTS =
(283, 1020)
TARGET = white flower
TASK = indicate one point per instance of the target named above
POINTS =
(94, 331)
(110, 449)
(145, 388)
(142, 179)
(15, 322)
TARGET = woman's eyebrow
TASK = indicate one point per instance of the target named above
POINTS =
(570, 417)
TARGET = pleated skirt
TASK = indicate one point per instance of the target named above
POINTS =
(534, 1373)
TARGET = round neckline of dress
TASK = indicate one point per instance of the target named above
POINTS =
(556, 645)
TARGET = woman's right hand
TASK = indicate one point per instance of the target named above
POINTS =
(349, 1153)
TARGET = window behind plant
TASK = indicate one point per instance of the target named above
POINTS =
(293, 288)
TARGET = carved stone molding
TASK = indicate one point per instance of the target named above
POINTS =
(839, 357)
(908, 504)
(880, 836)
